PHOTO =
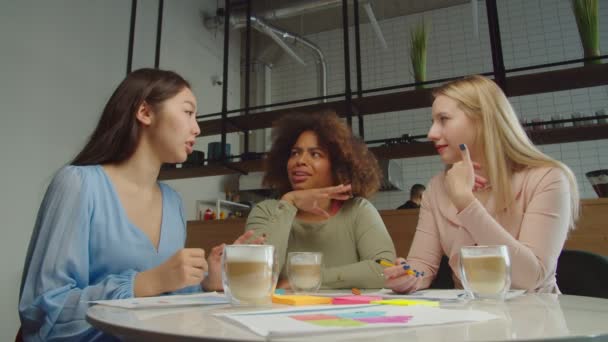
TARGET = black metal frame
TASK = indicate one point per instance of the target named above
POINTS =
(499, 73)
(247, 70)
(358, 66)
(131, 35)
(159, 32)
(225, 78)
(346, 43)
(496, 44)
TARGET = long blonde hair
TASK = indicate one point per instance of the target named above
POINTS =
(506, 146)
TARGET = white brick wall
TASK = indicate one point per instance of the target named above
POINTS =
(532, 31)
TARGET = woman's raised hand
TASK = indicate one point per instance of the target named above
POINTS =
(461, 180)
(309, 199)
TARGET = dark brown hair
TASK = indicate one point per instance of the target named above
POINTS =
(117, 133)
(351, 161)
(416, 191)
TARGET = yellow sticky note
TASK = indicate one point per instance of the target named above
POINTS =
(300, 299)
(406, 302)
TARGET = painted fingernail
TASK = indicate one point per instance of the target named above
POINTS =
(422, 274)
(406, 267)
(402, 263)
(463, 147)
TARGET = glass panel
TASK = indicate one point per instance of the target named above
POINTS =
(195, 51)
(317, 55)
(453, 49)
(536, 32)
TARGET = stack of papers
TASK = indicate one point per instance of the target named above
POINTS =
(326, 319)
(437, 295)
(206, 298)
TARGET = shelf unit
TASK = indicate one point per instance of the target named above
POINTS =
(416, 149)
(373, 101)
(529, 84)
(219, 203)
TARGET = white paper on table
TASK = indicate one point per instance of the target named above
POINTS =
(329, 319)
(207, 298)
(439, 295)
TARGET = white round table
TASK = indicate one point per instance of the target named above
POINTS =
(525, 318)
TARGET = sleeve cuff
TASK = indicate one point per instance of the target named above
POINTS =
(130, 285)
(282, 210)
(286, 206)
(331, 278)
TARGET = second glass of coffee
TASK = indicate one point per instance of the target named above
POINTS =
(304, 271)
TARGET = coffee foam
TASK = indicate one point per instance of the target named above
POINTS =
(247, 253)
(298, 258)
(297, 261)
(484, 256)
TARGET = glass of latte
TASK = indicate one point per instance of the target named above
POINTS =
(304, 271)
(485, 271)
(249, 274)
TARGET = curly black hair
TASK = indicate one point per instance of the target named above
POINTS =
(351, 161)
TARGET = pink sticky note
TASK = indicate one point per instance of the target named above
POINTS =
(385, 319)
(313, 317)
(354, 300)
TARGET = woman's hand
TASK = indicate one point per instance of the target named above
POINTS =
(397, 278)
(309, 199)
(461, 180)
(213, 281)
(185, 268)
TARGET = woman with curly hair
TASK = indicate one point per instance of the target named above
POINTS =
(323, 175)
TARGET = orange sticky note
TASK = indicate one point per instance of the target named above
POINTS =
(300, 300)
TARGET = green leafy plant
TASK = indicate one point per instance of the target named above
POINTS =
(586, 13)
(418, 40)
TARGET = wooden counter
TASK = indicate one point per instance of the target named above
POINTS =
(591, 233)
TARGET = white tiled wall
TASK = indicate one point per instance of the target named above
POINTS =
(532, 31)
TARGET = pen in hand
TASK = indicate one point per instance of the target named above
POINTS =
(406, 267)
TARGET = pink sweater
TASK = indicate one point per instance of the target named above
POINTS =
(534, 229)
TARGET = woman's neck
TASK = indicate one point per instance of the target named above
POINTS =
(140, 171)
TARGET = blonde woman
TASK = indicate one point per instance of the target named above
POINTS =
(498, 189)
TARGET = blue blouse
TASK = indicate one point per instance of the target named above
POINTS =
(84, 248)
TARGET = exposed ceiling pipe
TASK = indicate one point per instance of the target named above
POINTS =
(281, 37)
(307, 6)
(276, 35)
(298, 8)
(284, 37)
(372, 20)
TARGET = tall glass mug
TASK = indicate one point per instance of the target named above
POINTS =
(486, 271)
(249, 274)
(304, 271)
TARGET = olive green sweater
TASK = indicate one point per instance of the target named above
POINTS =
(350, 241)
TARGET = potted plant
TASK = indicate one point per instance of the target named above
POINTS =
(418, 39)
(586, 13)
